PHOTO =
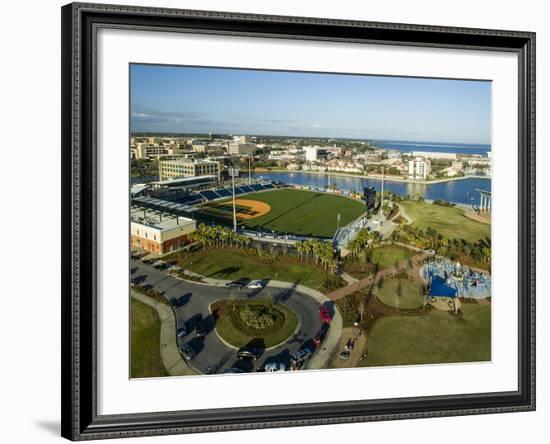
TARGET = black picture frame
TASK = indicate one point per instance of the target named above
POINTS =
(80, 420)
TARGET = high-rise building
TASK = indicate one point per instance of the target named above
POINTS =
(419, 168)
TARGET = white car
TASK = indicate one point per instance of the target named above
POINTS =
(254, 285)
(274, 367)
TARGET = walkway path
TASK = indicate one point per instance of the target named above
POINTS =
(403, 214)
(365, 282)
(348, 278)
(174, 364)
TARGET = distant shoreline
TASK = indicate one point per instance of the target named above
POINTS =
(378, 176)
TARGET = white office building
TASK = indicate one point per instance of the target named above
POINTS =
(314, 153)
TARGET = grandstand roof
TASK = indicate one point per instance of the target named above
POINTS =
(185, 180)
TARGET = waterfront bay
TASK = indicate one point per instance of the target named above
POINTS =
(458, 191)
(432, 147)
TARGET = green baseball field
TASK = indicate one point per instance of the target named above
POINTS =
(298, 212)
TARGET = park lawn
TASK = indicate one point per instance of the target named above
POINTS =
(145, 342)
(411, 293)
(226, 329)
(387, 255)
(299, 212)
(233, 264)
(450, 222)
(436, 337)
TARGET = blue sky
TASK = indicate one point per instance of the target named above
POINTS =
(236, 101)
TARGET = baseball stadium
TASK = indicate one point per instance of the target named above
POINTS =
(286, 210)
(261, 208)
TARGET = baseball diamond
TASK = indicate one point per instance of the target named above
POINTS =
(292, 211)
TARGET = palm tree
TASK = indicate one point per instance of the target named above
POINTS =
(299, 245)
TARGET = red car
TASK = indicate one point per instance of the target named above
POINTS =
(324, 312)
(320, 336)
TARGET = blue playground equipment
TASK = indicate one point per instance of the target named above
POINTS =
(446, 279)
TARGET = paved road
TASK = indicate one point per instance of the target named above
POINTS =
(213, 355)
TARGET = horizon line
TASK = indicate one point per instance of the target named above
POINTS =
(288, 136)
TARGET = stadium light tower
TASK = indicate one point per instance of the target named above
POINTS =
(382, 191)
(158, 159)
(234, 207)
(249, 174)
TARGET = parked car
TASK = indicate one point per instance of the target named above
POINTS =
(188, 352)
(254, 285)
(300, 356)
(181, 332)
(148, 261)
(320, 336)
(200, 326)
(235, 284)
(160, 265)
(324, 312)
(249, 352)
(274, 367)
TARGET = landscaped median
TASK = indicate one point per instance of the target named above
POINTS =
(259, 323)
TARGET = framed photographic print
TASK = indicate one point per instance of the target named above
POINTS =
(278, 221)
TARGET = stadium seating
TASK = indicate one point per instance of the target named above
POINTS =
(210, 195)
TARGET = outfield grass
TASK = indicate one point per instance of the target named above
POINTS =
(298, 212)
(230, 331)
(145, 345)
(411, 293)
(436, 337)
(237, 264)
(450, 222)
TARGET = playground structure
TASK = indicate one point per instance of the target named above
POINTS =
(447, 279)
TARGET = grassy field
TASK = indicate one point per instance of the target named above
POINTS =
(386, 256)
(436, 337)
(236, 264)
(448, 221)
(145, 347)
(229, 330)
(411, 293)
(295, 211)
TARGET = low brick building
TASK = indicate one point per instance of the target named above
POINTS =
(160, 234)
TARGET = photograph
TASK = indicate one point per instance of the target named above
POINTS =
(296, 220)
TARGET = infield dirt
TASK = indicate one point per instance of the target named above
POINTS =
(248, 208)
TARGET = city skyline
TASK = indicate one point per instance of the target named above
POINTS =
(170, 99)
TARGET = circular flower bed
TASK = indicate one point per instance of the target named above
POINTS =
(258, 321)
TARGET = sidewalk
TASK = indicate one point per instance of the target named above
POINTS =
(348, 278)
(174, 364)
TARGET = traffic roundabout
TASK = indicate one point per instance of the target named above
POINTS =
(235, 330)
